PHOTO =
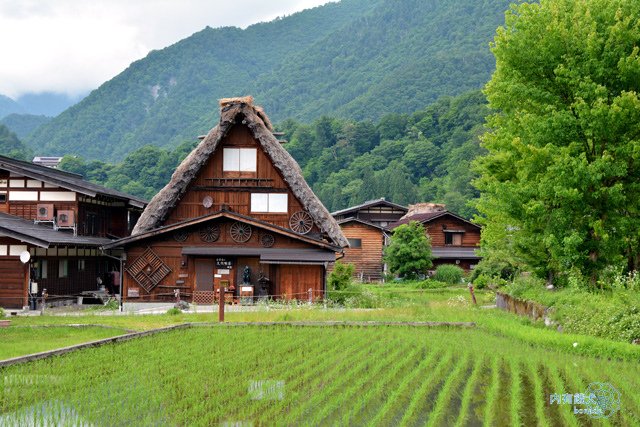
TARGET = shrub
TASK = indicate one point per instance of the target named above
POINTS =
(174, 311)
(352, 296)
(448, 273)
(340, 277)
(2, 313)
(482, 281)
(430, 284)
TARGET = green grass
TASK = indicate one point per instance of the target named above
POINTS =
(405, 303)
(266, 375)
(18, 341)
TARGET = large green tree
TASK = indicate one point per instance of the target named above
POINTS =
(409, 252)
(561, 181)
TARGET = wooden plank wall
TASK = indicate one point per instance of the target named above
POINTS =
(470, 238)
(368, 258)
(294, 281)
(170, 251)
(237, 200)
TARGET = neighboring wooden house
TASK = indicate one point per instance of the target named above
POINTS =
(454, 240)
(365, 228)
(236, 214)
(62, 221)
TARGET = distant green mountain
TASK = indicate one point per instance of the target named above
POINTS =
(11, 146)
(24, 124)
(356, 59)
(9, 106)
(424, 156)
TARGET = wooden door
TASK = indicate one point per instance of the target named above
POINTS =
(13, 277)
(203, 293)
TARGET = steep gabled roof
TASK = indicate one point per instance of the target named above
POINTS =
(67, 180)
(255, 119)
(368, 204)
(428, 217)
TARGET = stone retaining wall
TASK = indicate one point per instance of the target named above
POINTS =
(521, 307)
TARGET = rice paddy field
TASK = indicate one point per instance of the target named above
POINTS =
(316, 375)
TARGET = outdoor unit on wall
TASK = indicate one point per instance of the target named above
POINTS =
(44, 212)
(66, 218)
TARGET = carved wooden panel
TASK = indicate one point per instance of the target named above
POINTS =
(148, 270)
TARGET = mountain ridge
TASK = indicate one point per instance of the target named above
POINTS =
(354, 59)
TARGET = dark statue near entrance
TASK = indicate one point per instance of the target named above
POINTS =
(246, 275)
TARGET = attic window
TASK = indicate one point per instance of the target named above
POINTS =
(239, 159)
(453, 239)
(269, 202)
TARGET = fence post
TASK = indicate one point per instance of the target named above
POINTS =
(310, 296)
(44, 300)
(221, 304)
(473, 296)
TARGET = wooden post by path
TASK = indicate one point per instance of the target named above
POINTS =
(221, 304)
(473, 295)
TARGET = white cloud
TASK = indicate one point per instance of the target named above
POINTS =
(72, 46)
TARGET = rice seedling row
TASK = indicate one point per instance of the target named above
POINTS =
(310, 376)
(428, 384)
(356, 381)
(447, 391)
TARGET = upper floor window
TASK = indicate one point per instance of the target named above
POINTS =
(355, 243)
(269, 202)
(239, 160)
(453, 239)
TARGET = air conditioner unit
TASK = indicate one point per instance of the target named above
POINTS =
(66, 218)
(44, 212)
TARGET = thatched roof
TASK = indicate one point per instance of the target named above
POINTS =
(257, 121)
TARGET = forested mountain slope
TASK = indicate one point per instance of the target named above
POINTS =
(24, 124)
(424, 156)
(356, 59)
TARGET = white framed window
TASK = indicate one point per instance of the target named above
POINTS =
(269, 202)
(239, 159)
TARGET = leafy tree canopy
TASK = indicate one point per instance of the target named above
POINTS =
(409, 252)
(561, 181)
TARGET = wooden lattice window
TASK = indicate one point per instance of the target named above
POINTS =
(148, 270)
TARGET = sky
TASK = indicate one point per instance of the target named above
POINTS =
(72, 46)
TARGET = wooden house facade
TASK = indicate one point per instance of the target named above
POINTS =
(365, 227)
(454, 240)
(237, 216)
(61, 221)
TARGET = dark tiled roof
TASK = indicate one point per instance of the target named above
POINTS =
(361, 221)
(41, 235)
(426, 217)
(68, 180)
(368, 204)
(267, 255)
